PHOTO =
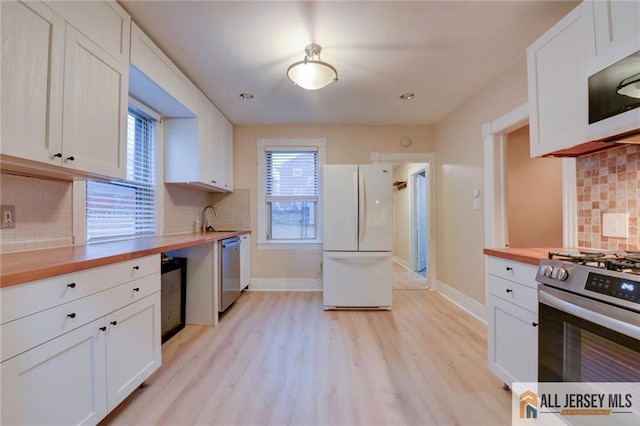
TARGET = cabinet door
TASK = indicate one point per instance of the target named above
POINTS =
(513, 341)
(206, 125)
(95, 108)
(32, 69)
(133, 347)
(615, 21)
(245, 261)
(217, 156)
(557, 82)
(227, 154)
(61, 382)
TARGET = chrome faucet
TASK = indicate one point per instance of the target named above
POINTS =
(205, 223)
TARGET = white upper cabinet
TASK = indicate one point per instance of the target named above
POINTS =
(65, 74)
(615, 21)
(557, 82)
(199, 151)
(32, 72)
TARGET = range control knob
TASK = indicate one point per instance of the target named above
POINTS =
(560, 274)
(547, 270)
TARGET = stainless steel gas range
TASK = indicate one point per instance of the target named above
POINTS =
(589, 317)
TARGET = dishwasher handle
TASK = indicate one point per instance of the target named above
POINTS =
(230, 242)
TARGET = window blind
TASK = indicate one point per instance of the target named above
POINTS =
(292, 174)
(123, 209)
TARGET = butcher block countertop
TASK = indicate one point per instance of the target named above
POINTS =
(21, 267)
(531, 256)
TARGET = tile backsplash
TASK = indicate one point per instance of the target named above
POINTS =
(232, 210)
(44, 213)
(607, 182)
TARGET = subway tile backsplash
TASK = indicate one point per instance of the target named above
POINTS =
(43, 208)
(607, 182)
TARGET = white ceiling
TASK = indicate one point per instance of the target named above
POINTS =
(442, 51)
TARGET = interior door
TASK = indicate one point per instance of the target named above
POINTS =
(340, 230)
(375, 210)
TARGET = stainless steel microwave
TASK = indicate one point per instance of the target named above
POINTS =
(613, 81)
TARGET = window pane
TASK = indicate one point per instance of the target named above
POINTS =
(294, 220)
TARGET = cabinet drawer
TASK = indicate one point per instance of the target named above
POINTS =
(25, 333)
(521, 295)
(521, 273)
(25, 299)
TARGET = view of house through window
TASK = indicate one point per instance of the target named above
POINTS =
(291, 194)
(123, 209)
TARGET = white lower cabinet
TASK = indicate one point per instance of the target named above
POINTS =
(61, 382)
(245, 261)
(512, 314)
(107, 344)
(133, 347)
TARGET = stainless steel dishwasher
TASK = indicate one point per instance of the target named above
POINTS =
(229, 272)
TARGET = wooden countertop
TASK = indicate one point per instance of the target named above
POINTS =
(531, 256)
(21, 267)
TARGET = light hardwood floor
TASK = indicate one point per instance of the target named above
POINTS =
(277, 358)
(404, 279)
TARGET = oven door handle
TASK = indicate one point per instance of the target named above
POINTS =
(613, 320)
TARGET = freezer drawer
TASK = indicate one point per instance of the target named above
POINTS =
(357, 280)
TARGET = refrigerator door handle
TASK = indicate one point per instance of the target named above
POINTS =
(359, 256)
(362, 215)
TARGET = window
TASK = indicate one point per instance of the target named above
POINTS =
(123, 209)
(289, 202)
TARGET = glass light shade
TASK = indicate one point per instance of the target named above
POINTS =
(630, 87)
(312, 75)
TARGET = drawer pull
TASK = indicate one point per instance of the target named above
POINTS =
(136, 267)
(509, 290)
(72, 315)
(114, 322)
(136, 289)
(103, 328)
(535, 324)
(509, 268)
(71, 158)
(58, 155)
(72, 285)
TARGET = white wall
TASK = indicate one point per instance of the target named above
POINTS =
(459, 171)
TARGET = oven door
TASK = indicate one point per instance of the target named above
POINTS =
(583, 340)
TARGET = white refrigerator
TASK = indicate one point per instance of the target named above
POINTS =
(357, 236)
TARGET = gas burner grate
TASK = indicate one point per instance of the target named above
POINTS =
(577, 257)
(624, 264)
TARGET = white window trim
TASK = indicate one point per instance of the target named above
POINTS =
(263, 145)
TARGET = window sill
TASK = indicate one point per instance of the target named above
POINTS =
(289, 245)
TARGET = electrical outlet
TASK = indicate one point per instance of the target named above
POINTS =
(8, 216)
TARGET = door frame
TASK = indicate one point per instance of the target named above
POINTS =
(430, 160)
(494, 135)
(415, 263)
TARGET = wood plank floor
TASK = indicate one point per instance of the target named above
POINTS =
(404, 279)
(277, 358)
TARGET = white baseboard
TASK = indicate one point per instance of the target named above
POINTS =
(285, 284)
(402, 263)
(470, 305)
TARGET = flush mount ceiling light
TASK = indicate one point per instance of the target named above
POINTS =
(310, 73)
(630, 87)
(407, 96)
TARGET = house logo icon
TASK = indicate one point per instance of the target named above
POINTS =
(528, 405)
